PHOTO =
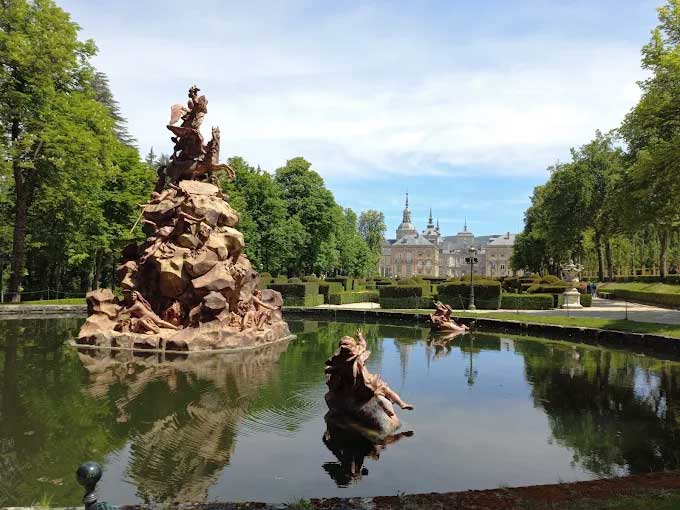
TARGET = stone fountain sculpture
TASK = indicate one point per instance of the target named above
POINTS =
(440, 320)
(189, 286)
(358, 400)
(571, 296)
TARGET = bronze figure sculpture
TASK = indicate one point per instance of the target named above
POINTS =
(358, 395)
(441, 319)
(189, 286)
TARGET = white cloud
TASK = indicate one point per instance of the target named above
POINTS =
(381, 104)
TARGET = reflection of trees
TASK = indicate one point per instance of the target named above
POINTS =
(618, 412)
(47, 425)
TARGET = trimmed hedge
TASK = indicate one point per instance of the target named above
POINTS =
(328, 288)
(526, 301)
(585, 299)
(457, 294)
(308, 300)
(296, 289)
(363, 296)
(401, 291)
(405, 302)
(673, 279)
(650, 298)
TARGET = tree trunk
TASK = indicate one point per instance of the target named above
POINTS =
(663, 253)
(98, 270)
(610, 263)
(20, 229)
(600, 258)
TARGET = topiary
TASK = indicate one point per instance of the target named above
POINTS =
(550, 279)
(294, 279)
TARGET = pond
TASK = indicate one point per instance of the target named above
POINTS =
(491, 410)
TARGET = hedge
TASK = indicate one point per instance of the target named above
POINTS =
(401, 291)
(296, 289)
(308, 300)
(364, 296)
(651, 298)
(526, 301)
(457, 294)
(586, 300)
(326, 288)
(672, 279)
(405, 302)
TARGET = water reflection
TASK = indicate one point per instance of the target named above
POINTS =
(491, 409)
(351, 450)
(179, 445)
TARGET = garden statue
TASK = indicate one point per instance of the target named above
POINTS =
(571, 298)
(356, 398)
(189, 286)
(441, 319)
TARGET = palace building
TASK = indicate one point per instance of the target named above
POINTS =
(429, 253)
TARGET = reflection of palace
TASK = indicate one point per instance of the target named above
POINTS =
(180, 444)
(431, 254)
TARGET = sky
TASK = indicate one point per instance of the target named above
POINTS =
(462, 104)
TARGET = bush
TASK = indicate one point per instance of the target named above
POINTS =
(526, 301)
(346, 281)
(309, 300)
(296, 289)
(650, 298)
(586, 300)
(326, 288)
(672, 279)
(294, 279)
(457, 294)
(281, 279)
(550, 279)
(405, 302)
(344, 298)
(311, 279)
(399, 291)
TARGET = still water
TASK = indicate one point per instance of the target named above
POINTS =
(491, 410)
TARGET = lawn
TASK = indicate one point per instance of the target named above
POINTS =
(659, 288)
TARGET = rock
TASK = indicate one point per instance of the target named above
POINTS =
(198, 188)
(170, 280)
(213, 210)
(218, 278)
(215, 302)
(127, 274)
(201, 263)
(187, 240)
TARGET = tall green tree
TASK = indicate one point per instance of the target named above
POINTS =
(372, 229)
(310, 203)
(652, 132)
(43, 70)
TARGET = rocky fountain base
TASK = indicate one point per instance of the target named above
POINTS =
(189, 286)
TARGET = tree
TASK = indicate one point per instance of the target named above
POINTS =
(372, 229)
(311, 204)
(652, 132)
(43, 72)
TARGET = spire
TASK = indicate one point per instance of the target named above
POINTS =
(430, 215)
(407, 200)
(437, 225)
(465, 226)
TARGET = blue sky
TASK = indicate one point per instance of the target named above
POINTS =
(464, 104)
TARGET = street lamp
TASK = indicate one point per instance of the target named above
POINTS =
(472, 260)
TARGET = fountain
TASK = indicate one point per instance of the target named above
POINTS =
(189, 286)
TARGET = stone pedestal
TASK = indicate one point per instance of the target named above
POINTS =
(571, 299)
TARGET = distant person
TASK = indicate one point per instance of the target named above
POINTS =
(589, 288)
(593, 290)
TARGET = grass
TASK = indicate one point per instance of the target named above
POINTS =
(65, 301)
(643, 500)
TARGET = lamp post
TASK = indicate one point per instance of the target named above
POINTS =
(472, 260)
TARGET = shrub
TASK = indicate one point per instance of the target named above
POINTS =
(457, 293)
(364, 296)
(346, 281)
(526, 301)
(311, 278)
(651, 298)
(586, 300)
(326, 288)
(550, 279)
(399, 291)
(309, 300)
(281, 279)
(296, 289)
(405, 302)
(294, 279)
(672, 279)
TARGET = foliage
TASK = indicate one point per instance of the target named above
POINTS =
(526, 301)
(457, 294)
(404, 303)
(362, 296)
(296, 289)
(398, 291)
(372, 229)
